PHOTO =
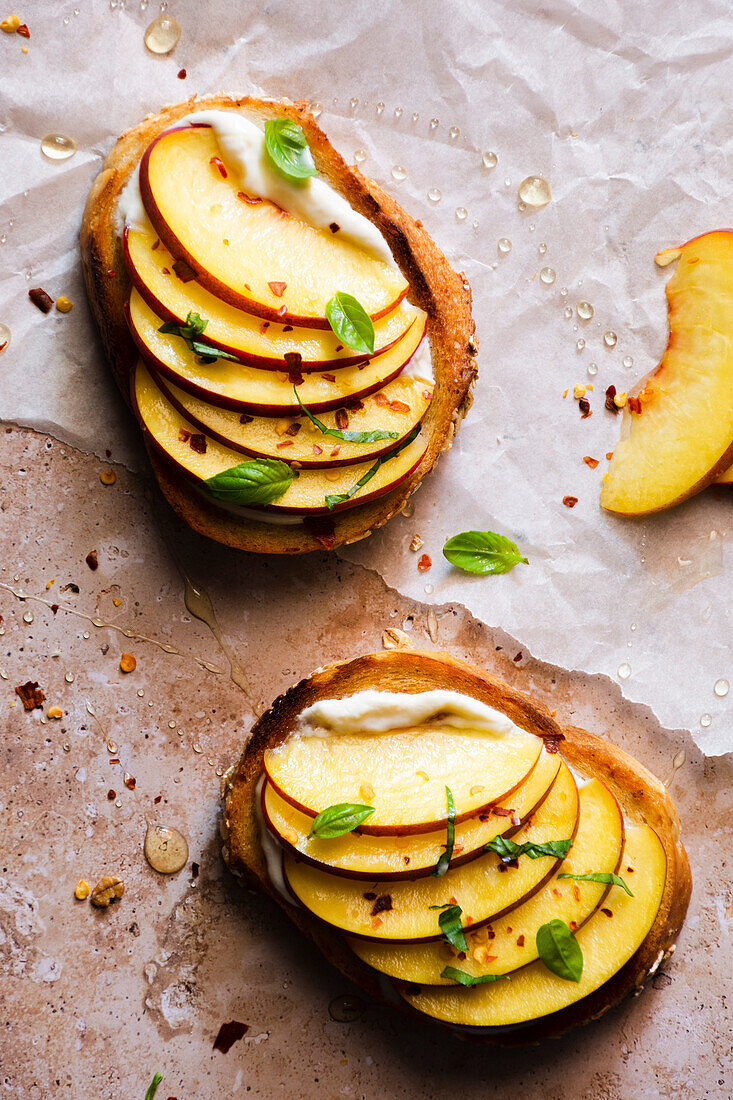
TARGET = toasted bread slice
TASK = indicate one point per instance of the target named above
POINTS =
(433, 285)
(641, 796)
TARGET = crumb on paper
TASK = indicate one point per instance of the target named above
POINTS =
(394, 638)
(417, 543)
(54, 713)
(64, 304)
(424, 563)
(107, 890)
(229, 1034)
(592, 462)
(40, 299)
(31, 696)
(81, 890)
(108, 477)
(569, 501)
(128, 662)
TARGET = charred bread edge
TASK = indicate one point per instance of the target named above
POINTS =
(443, 293)
(642, 796)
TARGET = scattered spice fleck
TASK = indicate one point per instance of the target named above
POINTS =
(218, 163)
(383, 904)
(416, 543)
(182, 74)
(64, 304)
(608, 912)
(592, 462)
(128, 662)
(54, 713)
(184, 271)
(424, 563)
(197, 443)
(130, 781)
(111, 795)
(610, 403)
(40, 299)
(108, 477)
(520, 941)
(23, 31)
(518, 656)
(585, 409)
(229, 1034)
(81, 890)
(92, 560)
(334, 227)
(609, 455)
(31, 696)
(578, 391)
(10, 24)
(278, 289)
(108, 889)
(570, 502)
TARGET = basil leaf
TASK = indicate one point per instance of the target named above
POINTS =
(351, 322)
(600, 876)
(559, 950)
(287, 148)
(153, 1086)
(194, 326)
(507, 850)
(468, 979)
(483, 552)
(444, 862)
(333, 499)
(257, 481)
(341, 818)
(348, 437)
(450, 921)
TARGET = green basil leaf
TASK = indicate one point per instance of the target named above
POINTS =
(209, 353)
(351, 322)
(341, 818)
(483, 552)
(256, 481)
(153, 1086)
(463, 978)
(444, 862)
(348, 437)
(559, 950)
(194, 326)
(506, 849)
(450, 921)
(600, 876)
(287, 148)
(333, 499)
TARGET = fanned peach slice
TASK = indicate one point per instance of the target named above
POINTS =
(483, 888)
(726, 478)
(232, 385)
(260, 343)
(404, 773)
(510, 942)
(253, 254)
(607, 940)
(680, 438)
(200, 457)
(358, 855)
(299, 440)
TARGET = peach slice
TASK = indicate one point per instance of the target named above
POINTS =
(233, 385)
(199, 457)
(607, 940)
(726, 478)
(681, 436)
(253, 340)
(404, 771)
(253, 254)
(298, 440)
(358, 855)
(484, 888)
(597, 846)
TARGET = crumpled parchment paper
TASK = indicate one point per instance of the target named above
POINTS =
(623, 108)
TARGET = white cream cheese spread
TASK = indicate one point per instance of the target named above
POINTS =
(375, 711)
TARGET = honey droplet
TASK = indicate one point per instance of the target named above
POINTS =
(58, 147)
(624, 671)
(434, 124)
(579, 344)
(721, 688)
(584, 310)
(346, 1009)
(547, 276)
(166, 850)
(461, 213)
(454, 132)
(28, 617)
(504, 246)
(360, 156)
(535, 191)
(161, 36)
(609, 339)
(627, 361)
(398, 113)
(489, 159)
(705, 720)
(434, 194)
(398, 172)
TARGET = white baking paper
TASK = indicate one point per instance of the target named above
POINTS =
(622, 107)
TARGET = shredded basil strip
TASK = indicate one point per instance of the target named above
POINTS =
(256, 481)
(450, 922)
(444, 862)
(463, 978)
(483, 552)
(153, 1086)
(599, 876)
(336, 498)
(287, 148)
(341, 818)
(507, 850)
(348, 437)
(351, 322)
(194, 327)
(559, 950)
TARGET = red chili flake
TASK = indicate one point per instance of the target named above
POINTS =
(339, 347)
(278, 289)
(197, 443)
(406, 860)
(157, 799)
(501, 811)
(111, 273)
(114, 760)
(518, 657)
(381, 399)
(355, 404)
(287, 328)
(609, 455)
(424, 563)
(244, 419)
(111, 795)
(342, 419)
(329, 377)
(23, 31)
(317, 450)
(30, 695)
(334, 227)
(182, 74)
(183, 435)
(457, 849)
(573, 925)
(570, 502)
(92, 560)
(516, 819)
(130, 782)
(556, 892)
(249, 199)
(469, 920)
(218, 163)
(229, 1034)
(608, 912)
(509, 930)
(264, 326)
(284, 443)
(585, 409)
(552, 743)
(490, 933)
(370, 896)
(592, 462)
(453, 900)
(165, 271)
(3, 345)
(399, 407)
(635, 405)
(156, 245)
(282, 311)
(520, 941)
(630, 870)
(576, 891)
(184, 271)
(323, 530)
(610, 403)
(336, 450)
(40, 299)
(428, 395)
(293, 429)
(383, 904)
(54, 608)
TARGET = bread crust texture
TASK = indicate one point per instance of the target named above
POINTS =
(643, 798)
(443, 293)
